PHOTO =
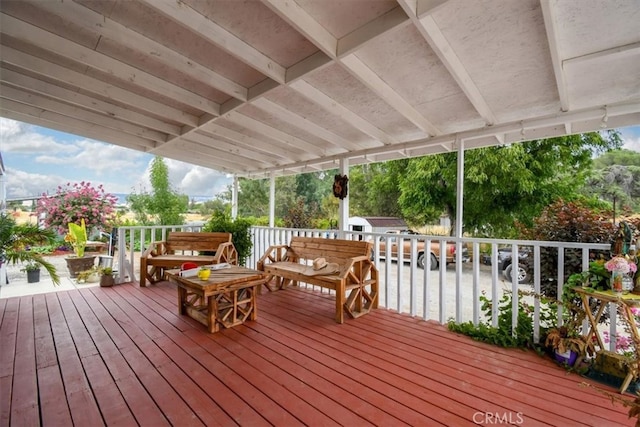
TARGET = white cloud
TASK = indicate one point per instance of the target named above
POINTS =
(21, 138)
(196, 180)
(22, 184)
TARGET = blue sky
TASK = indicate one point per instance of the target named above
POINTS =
(37, 160)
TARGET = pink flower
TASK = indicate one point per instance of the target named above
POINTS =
(620, 264)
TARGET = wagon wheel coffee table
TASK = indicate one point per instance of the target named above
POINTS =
(227, 298)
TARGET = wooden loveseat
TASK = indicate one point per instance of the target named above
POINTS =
(354, 273)
(181, 247)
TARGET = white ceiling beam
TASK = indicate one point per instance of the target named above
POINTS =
(369, 32)
(110, 29)
(298, 18)
(605, 56)
(196, 159)
(228, 151)
(291, 142)
(207, 151)
(427, 7)
(53, 43)
(39, 101)
(184, 15)
(308, 126)
(19, 80)
(368, 77)
(256, 145)
(76, 126)
(550, 25)
(427, 146)
(74, 79)
(429, 29)
(342, 112)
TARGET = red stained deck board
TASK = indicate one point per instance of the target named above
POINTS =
(319, 378)
(242, 362)
(54, 410)
(82, 404)
(143, 345)
(8, 331)
(315, 312)
(141, 309)
(197, 400)
(168, 403)
(299, 408)
(112, 405)
(399, 365)
(45, 347)
(396, 401)
(24, 397)
(484, 362)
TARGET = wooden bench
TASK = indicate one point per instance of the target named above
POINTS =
(180, 247)
(356, 273)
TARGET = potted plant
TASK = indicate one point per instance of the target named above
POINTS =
(568, 345)
(77, 238)
(15, 241)
(33, 271)
(567, 342)
(106, 278)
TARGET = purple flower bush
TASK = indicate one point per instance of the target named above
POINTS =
(75, 201)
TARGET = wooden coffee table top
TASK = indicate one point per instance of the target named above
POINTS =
(222, 278)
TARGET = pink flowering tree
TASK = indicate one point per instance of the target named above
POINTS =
(75, 201)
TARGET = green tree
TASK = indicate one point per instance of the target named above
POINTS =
(501, 184)
(375, 188)
(163, 206)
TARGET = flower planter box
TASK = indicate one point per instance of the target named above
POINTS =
(78, 264)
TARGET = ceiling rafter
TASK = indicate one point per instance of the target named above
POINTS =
(40, 101)
(181, 13)
(65, 95)
(63, 47)
(117, 32)
(552, 37)
(429, 29)
(65, 123)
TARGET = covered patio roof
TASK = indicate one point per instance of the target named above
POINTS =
(255, 88)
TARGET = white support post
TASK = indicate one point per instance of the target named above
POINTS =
(234, 198)
(343, 214)
(272, 199)
(459, 186)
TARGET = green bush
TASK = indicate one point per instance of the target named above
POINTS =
(503, 335)
(240, 229)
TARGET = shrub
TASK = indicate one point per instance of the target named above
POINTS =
(75, 201)
(240, 229)
(567, 222)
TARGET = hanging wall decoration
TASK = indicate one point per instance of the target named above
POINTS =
(340, 186)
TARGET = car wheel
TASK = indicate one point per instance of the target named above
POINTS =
(434, 262)
(421, 260)
(522, 274)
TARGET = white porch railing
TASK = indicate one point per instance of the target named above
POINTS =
(451, 292)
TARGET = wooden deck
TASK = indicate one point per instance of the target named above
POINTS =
(123, 356)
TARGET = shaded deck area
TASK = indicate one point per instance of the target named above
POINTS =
(122, 356)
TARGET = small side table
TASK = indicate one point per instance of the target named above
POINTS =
(624, 302)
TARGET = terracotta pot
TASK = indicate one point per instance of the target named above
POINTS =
(78, 264)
